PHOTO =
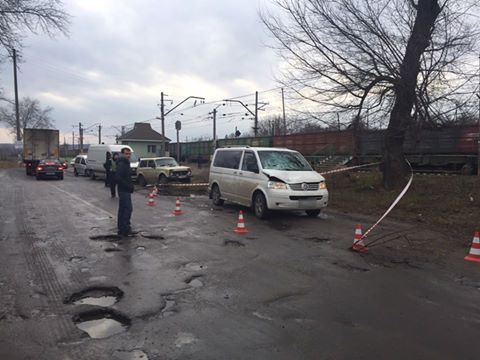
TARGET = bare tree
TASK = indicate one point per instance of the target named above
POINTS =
(403, 60)
(18, 17)
(32, 115)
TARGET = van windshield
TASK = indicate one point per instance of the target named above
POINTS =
(283, 160)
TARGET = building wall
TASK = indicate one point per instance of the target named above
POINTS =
(141, 148)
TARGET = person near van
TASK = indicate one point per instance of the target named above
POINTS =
(113, 171)
(108, 167)
(125, 188)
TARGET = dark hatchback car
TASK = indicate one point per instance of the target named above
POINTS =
(49, 169)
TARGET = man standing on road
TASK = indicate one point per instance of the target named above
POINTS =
(113, 171)
(124, 181)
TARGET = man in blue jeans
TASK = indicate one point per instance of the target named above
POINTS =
(123, 177)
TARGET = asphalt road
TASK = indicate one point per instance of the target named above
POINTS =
(193, 289)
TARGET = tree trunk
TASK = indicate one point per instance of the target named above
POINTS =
(395, 167)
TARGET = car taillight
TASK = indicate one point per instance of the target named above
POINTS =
(39, 168)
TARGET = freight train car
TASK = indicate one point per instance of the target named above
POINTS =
(318, 143)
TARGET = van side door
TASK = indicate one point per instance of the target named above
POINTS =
(225, 171)
(248, 178)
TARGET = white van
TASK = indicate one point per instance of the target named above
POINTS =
(97, 155)
(266, 179)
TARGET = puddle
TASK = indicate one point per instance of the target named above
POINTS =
(153, 237)
(317, 239)
(140, 248)
(110, 237)
(109, 250)
(350, 267)
(194, 281)
(97, 296)
(195, 266)
(130, 355)
(76, 259)
(102, 323)
(233, 243)
(184, 339)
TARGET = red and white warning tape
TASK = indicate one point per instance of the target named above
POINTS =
(182, 185)
(397, 200)
(349, 168)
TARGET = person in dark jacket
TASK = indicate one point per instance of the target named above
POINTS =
(124, 182)
(113, 170)
(108, 169)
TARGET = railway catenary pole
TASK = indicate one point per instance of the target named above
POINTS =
(478, 142)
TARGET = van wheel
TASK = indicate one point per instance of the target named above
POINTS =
(260, 207)
(216, 196)
(141, 181)
(313, 213)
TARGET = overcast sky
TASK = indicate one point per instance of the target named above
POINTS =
(121, 54)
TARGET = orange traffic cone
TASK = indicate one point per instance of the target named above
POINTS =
(150, 202)
(241, 228)
(178, 210)
(358, 244)
(474, 254)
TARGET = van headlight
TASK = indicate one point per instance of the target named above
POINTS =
(323, 185)
(277, 185)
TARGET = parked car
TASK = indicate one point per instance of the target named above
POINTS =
(49, 169)
(97, 155)
(80, 165)
(64, 163)
(266, 179)
(161, 170)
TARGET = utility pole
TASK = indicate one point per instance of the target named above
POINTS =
(73, 141)
(178, 127)
(214, 126)
(162, 118)
(80, 129)
(99, 134)
(17, 111)
(284, 116)
(255, 128)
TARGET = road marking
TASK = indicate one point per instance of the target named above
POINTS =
(83, 201)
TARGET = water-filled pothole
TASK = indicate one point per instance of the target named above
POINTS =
(130, 355)
(96, 295)
(194, 281)
(109, 237)
(102, 323)
(153, 236)
(233, 243)
(76, 259)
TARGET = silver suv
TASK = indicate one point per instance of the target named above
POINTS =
(266, 179)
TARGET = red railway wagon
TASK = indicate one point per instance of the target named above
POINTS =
(319, 143)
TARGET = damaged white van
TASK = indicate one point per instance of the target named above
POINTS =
(266, 179)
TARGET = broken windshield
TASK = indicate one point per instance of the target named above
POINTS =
(283, 160)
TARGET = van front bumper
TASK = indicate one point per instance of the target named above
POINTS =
(297, 200)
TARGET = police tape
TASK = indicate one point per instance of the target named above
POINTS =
(395, 202)
(182, 185)
(349, 168)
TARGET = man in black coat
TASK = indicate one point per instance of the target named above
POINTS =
(123, 177)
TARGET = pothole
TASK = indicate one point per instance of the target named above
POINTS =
(350, 267)
(195, 266)
(317, 239)
(140, 248)
(194, 281)
(97, 295)
(233, 243)
(76, 259)
(109, 250)
(102, 323)
(153, 236)
(170, 305)
(109, 237)
(130, 355)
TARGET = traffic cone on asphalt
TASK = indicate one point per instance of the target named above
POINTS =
(241, 228)
(358, 244)
(474, 254)
(178, 210)
(151, 201)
